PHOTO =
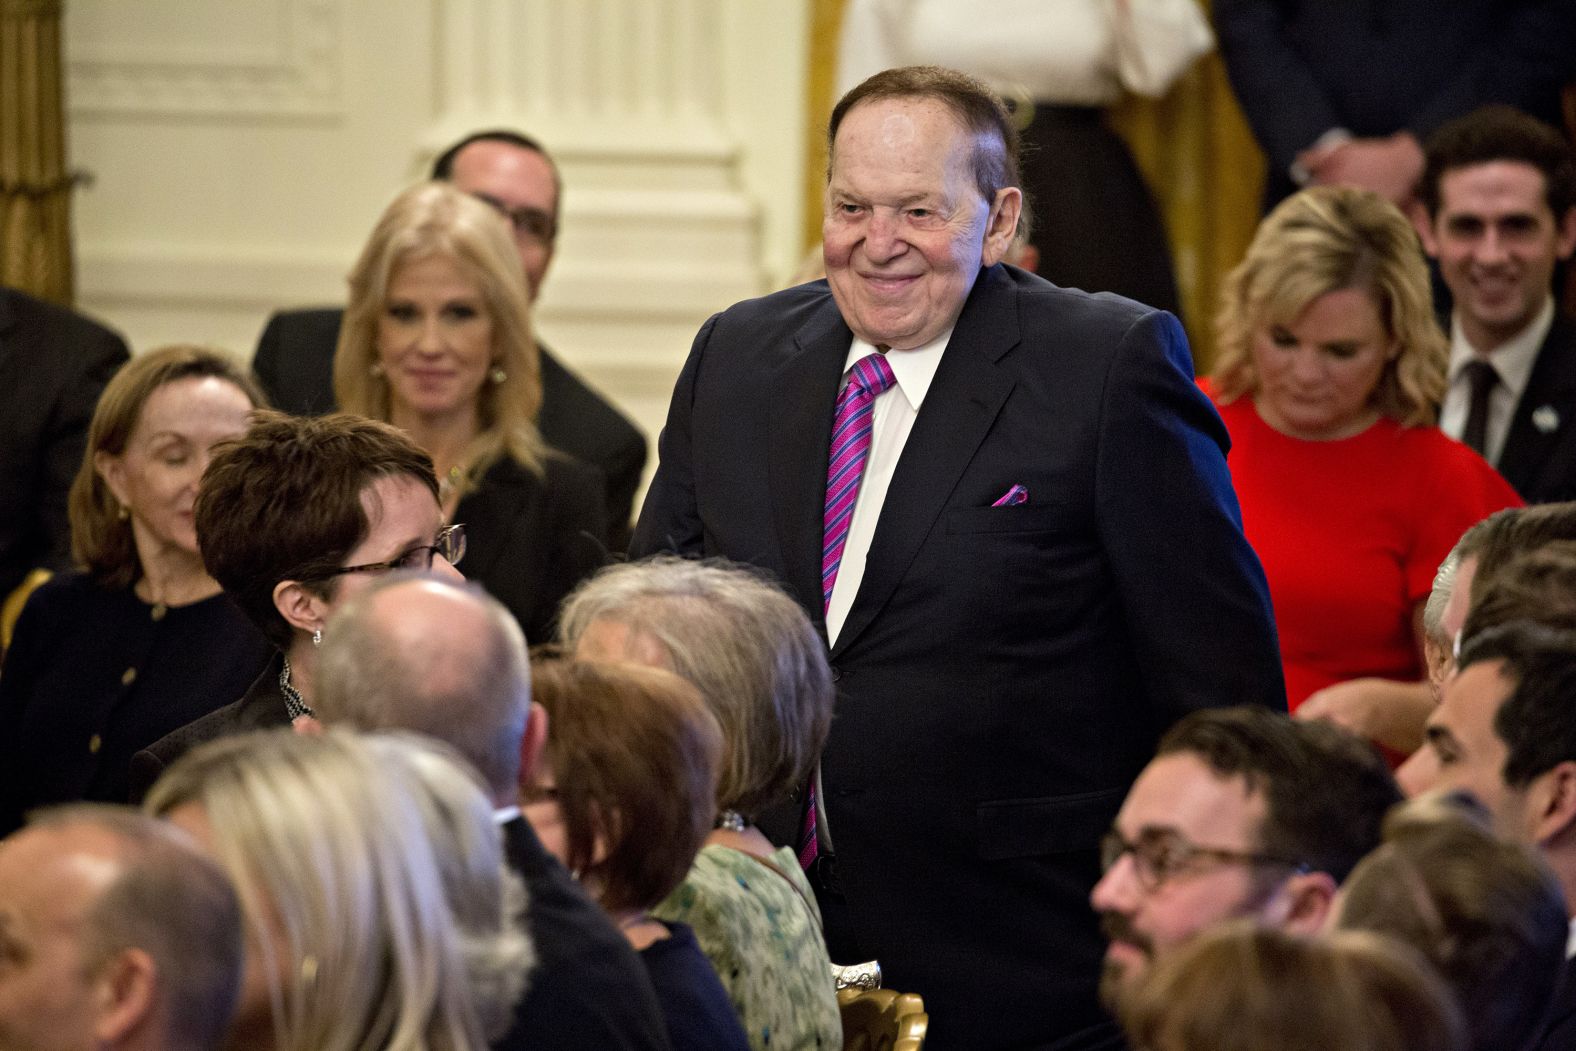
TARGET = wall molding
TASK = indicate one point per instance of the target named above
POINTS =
(179, 62)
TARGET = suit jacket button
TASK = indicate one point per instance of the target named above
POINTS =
(128, 677)
(95, 743)
(837, 674)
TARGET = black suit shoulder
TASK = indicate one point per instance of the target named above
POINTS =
(54, 363)
(262, 707)
(1539, 458)
(589, 989)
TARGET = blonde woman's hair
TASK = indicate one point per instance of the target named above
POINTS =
(341, 844)
(1327, 239)
(435, 219)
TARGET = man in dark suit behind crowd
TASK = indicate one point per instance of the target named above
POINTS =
(53, 366)
(1345, 93)
(1041, 569)
(514, 174)
(1497, 210)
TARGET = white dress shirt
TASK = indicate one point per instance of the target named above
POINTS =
(895, 411)
(1513, 360)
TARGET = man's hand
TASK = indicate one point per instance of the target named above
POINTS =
(1389, 167)
(1391, 713)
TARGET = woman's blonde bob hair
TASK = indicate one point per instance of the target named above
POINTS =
(435, 219)
(101, 539)
(361, 877)
(1322, 240)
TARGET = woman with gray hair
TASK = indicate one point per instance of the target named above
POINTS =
(761, 669)
(378, 910)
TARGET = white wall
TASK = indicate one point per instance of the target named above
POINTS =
(240, 151)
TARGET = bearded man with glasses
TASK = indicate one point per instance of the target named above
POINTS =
(1243, 812)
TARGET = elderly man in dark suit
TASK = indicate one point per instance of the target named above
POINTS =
(53, 366)
(1497, 210)
(1016, 528)
(514, 174)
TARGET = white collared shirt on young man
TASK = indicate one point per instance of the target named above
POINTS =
(1512, 360)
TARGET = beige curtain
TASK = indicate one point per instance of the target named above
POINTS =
(35, 191)
(1193, 146)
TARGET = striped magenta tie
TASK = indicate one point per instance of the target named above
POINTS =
(851, 429)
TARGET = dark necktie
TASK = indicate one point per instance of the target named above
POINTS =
(1482, 378)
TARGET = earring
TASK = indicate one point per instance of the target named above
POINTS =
(497, 375)
(317, 637)
(123, 513)
(376, 369)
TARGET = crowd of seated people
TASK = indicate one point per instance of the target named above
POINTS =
(370, 818)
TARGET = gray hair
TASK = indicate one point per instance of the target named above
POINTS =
(1439, 598)
(173, 903)
(746, 645)
(473, 693)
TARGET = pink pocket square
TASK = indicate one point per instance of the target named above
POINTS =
(1013, 497)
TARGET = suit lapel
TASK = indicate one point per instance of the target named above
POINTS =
(803, 391)
(959, 409)
(1550, 388)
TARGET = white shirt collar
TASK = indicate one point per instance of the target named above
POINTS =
(913, 369)
(505, 814)
(1513, 359)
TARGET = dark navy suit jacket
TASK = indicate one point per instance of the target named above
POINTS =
(1004, 672)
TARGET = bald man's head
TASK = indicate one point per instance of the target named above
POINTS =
(435, 657)
(117, 933)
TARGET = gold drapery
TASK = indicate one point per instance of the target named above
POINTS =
(1193, 147)
(35, 191)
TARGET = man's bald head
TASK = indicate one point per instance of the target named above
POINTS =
(119, 933)
(435, 657)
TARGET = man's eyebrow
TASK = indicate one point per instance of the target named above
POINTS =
(1435, 735)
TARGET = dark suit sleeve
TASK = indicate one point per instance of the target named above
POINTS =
(623, 469)
(670, 518)
(1193, 592)
(30, 649)
(1278, 93)
(577, 524)
(266, 361)
(101, 354)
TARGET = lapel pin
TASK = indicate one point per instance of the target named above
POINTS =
(1546, 419)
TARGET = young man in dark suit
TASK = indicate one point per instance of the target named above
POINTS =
(1024, 551)
(514, 174)
(1497, 210)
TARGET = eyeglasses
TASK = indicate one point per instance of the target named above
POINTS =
(1159, 855)
(450, 543)
(534, 223)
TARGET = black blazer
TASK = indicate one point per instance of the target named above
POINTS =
(1302, 67)
(262, 707)
(1004, 672)
(1559, 1026)
(530, 539)
(295, 362)
(1539, 457)
(53, 365)
(589, 991)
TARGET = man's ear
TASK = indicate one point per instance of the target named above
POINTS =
(126, 996)
(1552, 803)
(1423, 223)
(534, 741)
(301, 607)
(1565, 242)
(1308, 897)
(1001, 226)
